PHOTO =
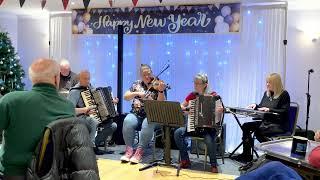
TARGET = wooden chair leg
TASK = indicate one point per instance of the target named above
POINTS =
(222, 151)
(197, 148)
(154, 149)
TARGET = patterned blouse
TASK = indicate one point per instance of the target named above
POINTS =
(137, 103)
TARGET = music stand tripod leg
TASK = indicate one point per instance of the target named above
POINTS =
(231, 154)
(167, 153)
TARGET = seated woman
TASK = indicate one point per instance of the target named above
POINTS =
(201, 86)
(275, 99)
(137, 118)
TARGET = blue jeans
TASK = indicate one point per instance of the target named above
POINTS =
(108, 129)
(209, 140)
(91, 124)
(130, 124)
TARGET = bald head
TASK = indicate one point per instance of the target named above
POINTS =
(65, 67)
(84, 78)
(44, 71)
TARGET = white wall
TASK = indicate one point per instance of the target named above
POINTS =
(9, 23)
(29, 36)
(33, 36)
(302, 55)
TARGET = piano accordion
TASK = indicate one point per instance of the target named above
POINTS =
(201, 113)
(101, 98)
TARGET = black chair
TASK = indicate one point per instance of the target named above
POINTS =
(293, 118)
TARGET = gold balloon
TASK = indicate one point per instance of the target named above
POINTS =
(235, 27)
(86, 17)
(75, 29)
(236, 17)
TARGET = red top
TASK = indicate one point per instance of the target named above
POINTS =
(314, 157)
(193, 95)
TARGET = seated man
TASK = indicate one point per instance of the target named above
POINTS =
(25, 114)
(68, 79)
(84, 112)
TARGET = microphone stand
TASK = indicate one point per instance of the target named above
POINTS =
(308, 102)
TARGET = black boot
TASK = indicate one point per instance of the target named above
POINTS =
(246, 155)
(97, 151)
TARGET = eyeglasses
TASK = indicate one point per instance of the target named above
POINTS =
(196, 83)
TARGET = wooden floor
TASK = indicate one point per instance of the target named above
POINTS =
(115, 170)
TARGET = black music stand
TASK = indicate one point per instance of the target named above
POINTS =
(168, 114)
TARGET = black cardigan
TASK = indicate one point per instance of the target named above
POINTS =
(278, 105)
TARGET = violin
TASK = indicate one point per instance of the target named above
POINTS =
(155, 84)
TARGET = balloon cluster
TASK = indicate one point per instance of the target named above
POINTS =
(227, 22)
(80, 22)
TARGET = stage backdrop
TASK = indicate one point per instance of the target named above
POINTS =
(158, 20)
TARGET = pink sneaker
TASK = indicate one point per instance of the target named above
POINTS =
(126, 157)
(136, 158)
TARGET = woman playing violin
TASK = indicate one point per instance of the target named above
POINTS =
(148, 87)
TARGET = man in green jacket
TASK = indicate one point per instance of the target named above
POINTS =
(24, 115)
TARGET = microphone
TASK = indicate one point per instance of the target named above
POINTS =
(148, 166)
(310, 71)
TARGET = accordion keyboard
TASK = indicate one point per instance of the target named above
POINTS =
(88, 101)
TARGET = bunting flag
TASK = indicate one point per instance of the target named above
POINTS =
(217, 5)
(135, 2)
(1, 1)
(160, 1)
(110, 2)
(22, 2)
(43, 3)
(86, 3)
(65, 4)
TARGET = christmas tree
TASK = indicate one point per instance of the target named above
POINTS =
(11, 72)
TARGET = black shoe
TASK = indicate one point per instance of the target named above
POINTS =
(246, 166)
(97, 151)
(109, 152)
(242, 158)
(101, 144)
(111, 142)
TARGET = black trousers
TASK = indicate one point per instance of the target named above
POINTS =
(248, 129)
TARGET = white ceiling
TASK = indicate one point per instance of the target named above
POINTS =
(34, 7)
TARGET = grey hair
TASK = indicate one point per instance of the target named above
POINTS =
(204, 79)
(46, 74)
(64, 62)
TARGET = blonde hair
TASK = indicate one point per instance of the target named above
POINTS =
(43, 70)
(204, 79)
(275, 81)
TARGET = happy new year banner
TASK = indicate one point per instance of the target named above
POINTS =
(218, 18)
